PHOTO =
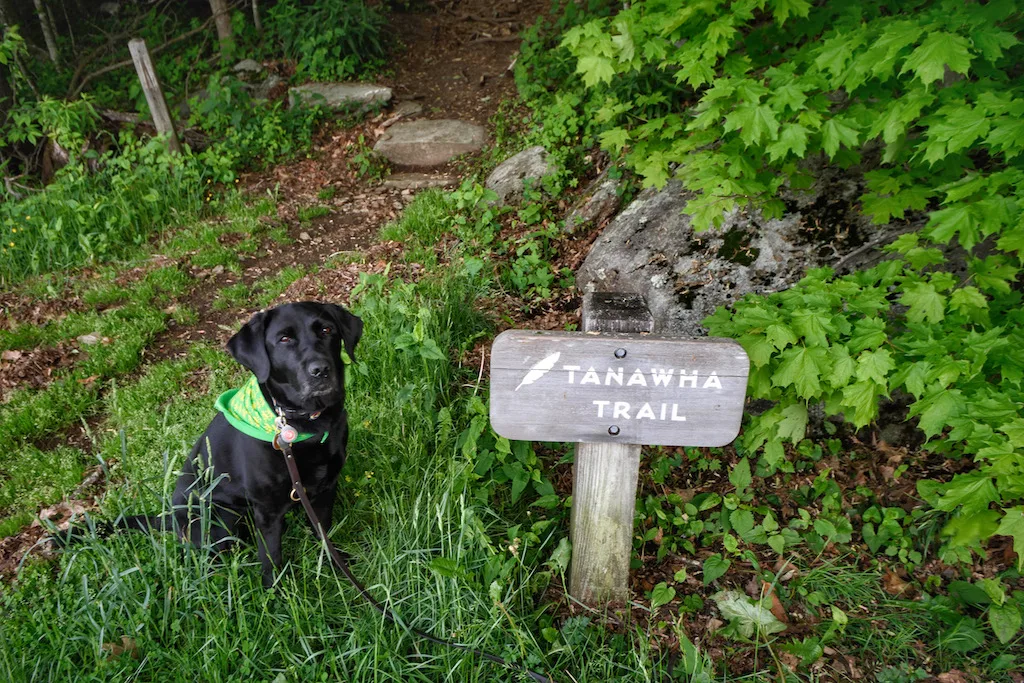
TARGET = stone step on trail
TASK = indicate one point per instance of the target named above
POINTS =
(339, 95)
(419, 181)
(429, 143)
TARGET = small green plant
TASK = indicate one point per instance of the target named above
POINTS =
(330, 40)
(305, 214)
(366, 162)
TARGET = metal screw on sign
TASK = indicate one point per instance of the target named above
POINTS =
(613, 430)
(620, 353)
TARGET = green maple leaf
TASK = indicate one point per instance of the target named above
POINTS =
(756, 122)
(917, 378)
(793, 138)
(1012, 525)
(801, 367)
(1015, 431)
(615, 139)
(789, 95)
(1007, 135)
(654, 169)
(967, 300)
(793, 425)
(836, 132)
(868, 333)
(862, 398)
(813, 326)
(959, 220)
(969, 530)
(780, 336)
(842, 366)
(939, 50)
(938, 410)
(925, 304)
(758, 348)
(595, 69)
(894, 38)
(1013, 239)
(782, 9)
(991, 42)
(875, 365)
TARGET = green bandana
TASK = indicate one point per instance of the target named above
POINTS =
(247, 411)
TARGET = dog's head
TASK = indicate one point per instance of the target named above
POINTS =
(295, 351)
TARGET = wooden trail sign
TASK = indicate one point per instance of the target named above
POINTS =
(612, 387)
(617, 388)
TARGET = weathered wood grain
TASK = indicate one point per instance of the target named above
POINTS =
(604, 479)
(154, 95)
(617, 388)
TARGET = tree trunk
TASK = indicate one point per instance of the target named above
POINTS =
(48, 34)
(256, 17)
(223, 20)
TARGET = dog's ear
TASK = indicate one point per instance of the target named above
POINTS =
(350, 327)
(249, 348)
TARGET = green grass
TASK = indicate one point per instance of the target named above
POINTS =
(138, 311)
(405, 507)
(421, 226)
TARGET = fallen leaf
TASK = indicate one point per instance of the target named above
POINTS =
(785, 570)
(127, 646)
(953, 676)
(776, 608)
(893, 584)
(11, 355)
(88, 380)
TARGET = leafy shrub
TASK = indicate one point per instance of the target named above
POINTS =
(933, 83)
(85, 216)
(247, 130)
(331, 39)
(925, 97)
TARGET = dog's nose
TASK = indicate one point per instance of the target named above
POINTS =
(319, 368)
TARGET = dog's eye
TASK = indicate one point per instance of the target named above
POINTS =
(325, 330)
(284, 339)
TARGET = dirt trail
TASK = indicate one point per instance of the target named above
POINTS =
(454, 60)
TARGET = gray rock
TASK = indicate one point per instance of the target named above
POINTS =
(247, 69)
(650, 248)
(407, 108)
(339, 95)
(429, 143)
(599, 202)
(418, 181)
(90, 339)
(509, 179)
(264, 90)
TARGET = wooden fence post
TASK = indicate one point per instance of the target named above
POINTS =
(154, 95)
(605, 478)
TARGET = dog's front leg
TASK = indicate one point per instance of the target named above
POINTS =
(269, 530)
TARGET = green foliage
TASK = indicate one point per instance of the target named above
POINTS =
(247, 131)
(767, 84)
(731, 98)
(329, 40)
(953, 347)
(87, 216)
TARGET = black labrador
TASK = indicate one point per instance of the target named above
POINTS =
(294, 352)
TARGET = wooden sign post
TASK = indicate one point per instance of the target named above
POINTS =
(154, 95)
(612, 388)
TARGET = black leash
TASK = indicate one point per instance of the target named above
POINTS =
(283, 444)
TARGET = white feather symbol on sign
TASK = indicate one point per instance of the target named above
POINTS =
(540, 369)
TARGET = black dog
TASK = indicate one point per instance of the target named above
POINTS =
(294, 352)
